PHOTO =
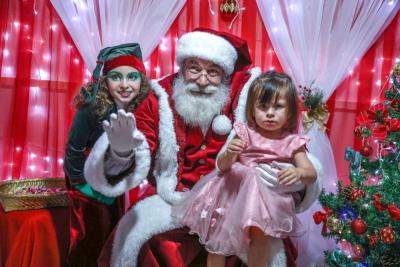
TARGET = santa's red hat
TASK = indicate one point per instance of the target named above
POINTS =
(224, 49)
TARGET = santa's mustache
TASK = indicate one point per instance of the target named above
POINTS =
(193, 87)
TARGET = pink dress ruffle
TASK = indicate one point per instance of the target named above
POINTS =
(222, 206)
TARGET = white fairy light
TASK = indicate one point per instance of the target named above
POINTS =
(6, 53)
(46, 57)
(163, 47)
(76, 60)
(6, 36)
(378, 82)
(350, 72)
(60, 161)
(32, 155)
(357, 83)
(53, 27)
(16, 24)
(271, 68)
(32, 167)
(35, 90)
(18, 148)
(397, 60)
(47, 158)
(373, 70)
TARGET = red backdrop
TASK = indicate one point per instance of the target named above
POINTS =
(41, 70)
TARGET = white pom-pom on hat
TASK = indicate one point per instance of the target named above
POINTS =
(221, 125)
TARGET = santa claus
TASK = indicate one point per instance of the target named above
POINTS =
(185, 121)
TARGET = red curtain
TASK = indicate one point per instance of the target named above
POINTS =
(41, 70)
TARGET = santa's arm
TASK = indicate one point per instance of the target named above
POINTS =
(120, 159)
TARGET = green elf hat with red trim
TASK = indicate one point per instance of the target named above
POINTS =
(113, 57)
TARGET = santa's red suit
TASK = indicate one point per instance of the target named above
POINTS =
(180, 156)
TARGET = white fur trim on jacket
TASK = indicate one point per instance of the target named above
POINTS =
(209, 47)
(94, 167)
(166, 162)
(148, 218)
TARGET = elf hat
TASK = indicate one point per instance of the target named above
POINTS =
(224, 49)
(116, 56)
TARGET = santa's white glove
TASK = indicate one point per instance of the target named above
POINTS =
(121, 133)
(268, 174)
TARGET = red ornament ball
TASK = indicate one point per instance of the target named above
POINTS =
(356, 194)
(358, 226)
(388, 235)
(373, 240)
(366, 151)
(228, 9)
(358, 252)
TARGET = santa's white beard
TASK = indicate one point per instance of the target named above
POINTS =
(199, 110)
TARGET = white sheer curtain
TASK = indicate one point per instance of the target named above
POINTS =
(95, 24)
(321, 41)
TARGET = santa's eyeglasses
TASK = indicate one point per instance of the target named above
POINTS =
(213, 75)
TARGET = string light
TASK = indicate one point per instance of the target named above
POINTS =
(32, 167)
(60, 161)
(6, 52)
(46, 57)
(6, 36)
(76, 60)
(373, 70)
(47, 158)
(378, 82)
(357, 83)
(53, 27)
(32, 155)
(16, 24)
(18, 149)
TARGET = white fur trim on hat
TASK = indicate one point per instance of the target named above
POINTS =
(209, 47)
(221, 125)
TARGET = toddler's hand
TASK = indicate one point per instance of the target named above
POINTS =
(289, 176)
(235, 147)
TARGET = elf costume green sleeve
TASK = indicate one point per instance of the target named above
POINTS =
(86, 128)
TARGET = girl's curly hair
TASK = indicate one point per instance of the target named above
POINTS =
(104, 101)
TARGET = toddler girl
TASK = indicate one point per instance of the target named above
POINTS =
(233, 210)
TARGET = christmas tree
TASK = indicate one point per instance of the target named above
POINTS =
(364, 217)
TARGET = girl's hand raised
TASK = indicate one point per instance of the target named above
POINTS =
(235, 147)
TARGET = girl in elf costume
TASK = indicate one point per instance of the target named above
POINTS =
(234, 210)
(121, 88)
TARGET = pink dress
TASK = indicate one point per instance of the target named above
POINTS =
(222, 206)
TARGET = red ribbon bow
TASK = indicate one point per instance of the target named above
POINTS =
(394, 212)
(320, 216)
(377, 202)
